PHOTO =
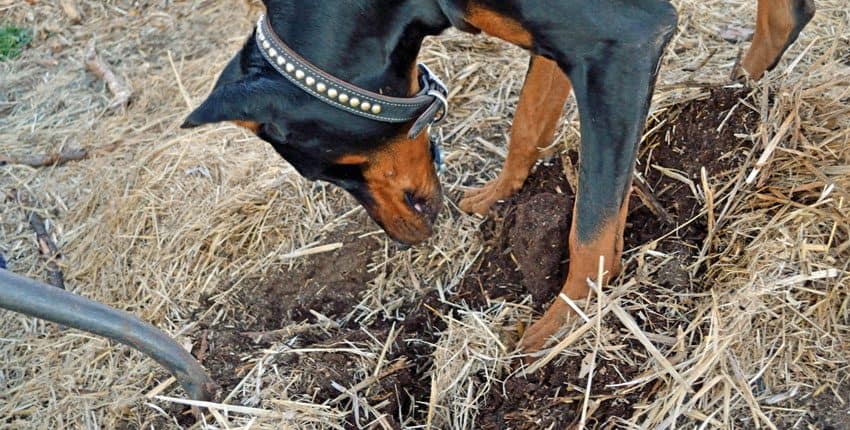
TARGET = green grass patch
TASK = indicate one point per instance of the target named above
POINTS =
(12, 41)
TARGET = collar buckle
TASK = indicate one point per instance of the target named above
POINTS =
(438, 109)
(437, 89)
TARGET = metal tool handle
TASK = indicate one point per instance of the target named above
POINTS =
(30, 297)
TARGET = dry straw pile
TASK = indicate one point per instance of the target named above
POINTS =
(156, 218)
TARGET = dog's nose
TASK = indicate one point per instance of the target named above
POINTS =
(426, 208)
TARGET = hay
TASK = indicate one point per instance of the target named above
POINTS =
(184, 216)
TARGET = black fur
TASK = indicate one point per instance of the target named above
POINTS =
(610, 49)
(355, 40)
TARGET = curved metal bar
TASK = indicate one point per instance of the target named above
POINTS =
(30, 297)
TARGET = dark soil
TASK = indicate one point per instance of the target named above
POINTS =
(688, 141)
(526, 254)
(525, 243)
(827, 411)
(330, 285)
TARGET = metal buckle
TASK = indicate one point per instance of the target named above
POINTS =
(437, 89)
(444, 111)
(434, 113)
(433, 80)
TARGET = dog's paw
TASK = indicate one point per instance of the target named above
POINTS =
(536, 336)
(480, 200)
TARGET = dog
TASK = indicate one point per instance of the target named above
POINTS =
(334, 87)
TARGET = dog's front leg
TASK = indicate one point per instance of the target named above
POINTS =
(541, 101)
(611, 52)
(778, 24)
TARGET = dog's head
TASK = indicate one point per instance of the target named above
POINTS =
(391, 175)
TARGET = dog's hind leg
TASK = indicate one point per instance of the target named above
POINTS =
(540, 104)
(778, 24)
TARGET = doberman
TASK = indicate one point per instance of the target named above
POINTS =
(303, 79)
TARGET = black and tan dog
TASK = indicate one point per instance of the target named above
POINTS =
(318, 81)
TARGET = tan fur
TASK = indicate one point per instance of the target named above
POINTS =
(542, 99)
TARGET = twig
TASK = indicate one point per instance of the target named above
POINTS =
(369, 381)
(574, 307)
(303, 252)
(227, 408)
(276, 335)
(46, 159)
(48, 249)
(56, 159)
(119, 89)
(46, 246)
(204, 347)
(709, 203)
(737, 73)
(770, 148)
(180, 86)
(432, 403)
(651, 202)
(701, 63)
(160, 388)
(570, 172)
(600, 297)
(688, 83)
(390, 339)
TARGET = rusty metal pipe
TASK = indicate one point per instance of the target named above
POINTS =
(30, 297)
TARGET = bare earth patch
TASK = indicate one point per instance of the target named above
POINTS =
(525, 255)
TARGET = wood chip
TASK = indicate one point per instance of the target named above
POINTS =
(119, 89)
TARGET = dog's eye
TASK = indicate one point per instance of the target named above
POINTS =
(345, 173)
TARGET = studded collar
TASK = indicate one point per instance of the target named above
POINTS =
(427, 107)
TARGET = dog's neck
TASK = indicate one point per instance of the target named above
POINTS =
(370, 43)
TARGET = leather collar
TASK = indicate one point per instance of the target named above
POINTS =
(429, 106)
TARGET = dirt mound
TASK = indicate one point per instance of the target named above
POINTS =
(521, 247)
(525, 254)
(691, 136)
(525, 243)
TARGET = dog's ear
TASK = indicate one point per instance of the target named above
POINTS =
(231, 102)
(235, 97)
